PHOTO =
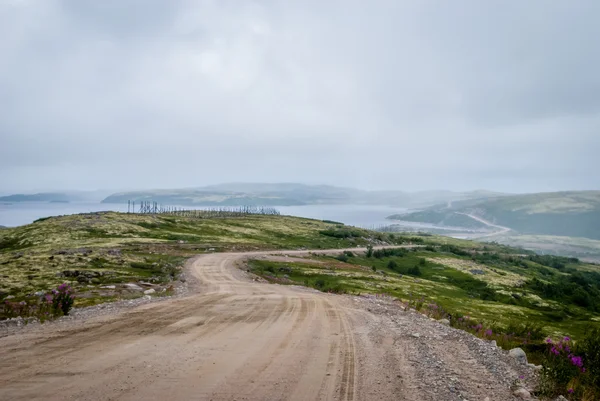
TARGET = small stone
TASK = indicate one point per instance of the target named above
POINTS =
(150, 291)
(445, 322)
(416, 335)
(108, 287)
(494, 344)
(147, 297)
(486, 399)
(519, 355)
(132, 286)
(522, 394)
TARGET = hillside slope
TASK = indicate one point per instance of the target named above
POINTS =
(112, 247)
(572, 214)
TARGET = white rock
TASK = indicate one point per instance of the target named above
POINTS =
(150, 291)
(132, 286)
(519, 355)
(494, 344)
(486, 399)
(10, 297)
(522, 394)
(109, 287)
(416, 335)
(444, 322)
(147, 297)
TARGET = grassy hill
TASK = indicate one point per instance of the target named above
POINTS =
(487, 281)
(572, 214)
(288, 194)
(501, 286)
(440, 217)
(116, 247)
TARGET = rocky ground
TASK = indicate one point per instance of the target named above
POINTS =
(446, 363)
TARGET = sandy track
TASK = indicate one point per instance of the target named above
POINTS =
(233, 339)
(501, 229)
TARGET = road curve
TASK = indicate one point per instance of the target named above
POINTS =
(501, 229)
(233, 339)
(237, 339)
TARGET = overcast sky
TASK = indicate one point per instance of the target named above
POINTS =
(502, 95)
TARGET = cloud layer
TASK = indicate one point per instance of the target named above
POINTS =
(503, 95)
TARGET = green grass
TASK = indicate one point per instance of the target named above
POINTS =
(498, 303)
(118, 247)
(567, 214)
(443, 218)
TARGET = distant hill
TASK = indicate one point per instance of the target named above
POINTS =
(41, 197)
(59, 196)
(572, 214)
(291, 194)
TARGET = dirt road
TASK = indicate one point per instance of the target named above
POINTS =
(236, 339)
(501, 229)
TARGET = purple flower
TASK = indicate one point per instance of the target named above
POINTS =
(488, 332)
(570, 391)
(567, 339)
(521, 377)
(577, 361)
(548, 340)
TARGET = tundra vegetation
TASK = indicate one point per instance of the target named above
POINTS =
(496, 292)
(514, 297)
(94, 252)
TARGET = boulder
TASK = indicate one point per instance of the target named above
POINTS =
(131, 286)
(522, 394)
(519, 355)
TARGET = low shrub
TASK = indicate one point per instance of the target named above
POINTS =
(572, 369)
(57, 303)
(328, 286)
(342, 257)
(62, 300)
(342, 233)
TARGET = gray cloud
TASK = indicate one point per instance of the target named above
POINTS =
(408, 95)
